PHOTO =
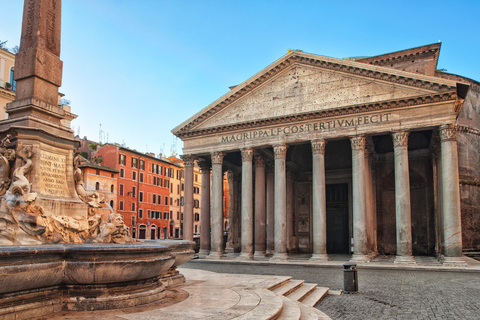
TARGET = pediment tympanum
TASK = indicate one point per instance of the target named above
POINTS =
(304, 89)
(301, 84)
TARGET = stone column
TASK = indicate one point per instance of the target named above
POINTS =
(280, 203)
(452, 222)
(247, 205)
(402, 198)
(270, 201)
(319, 203)
(232, 215)
(369, 207)
(260, 231)
(360, 248)
(205, 210)
(291, 243)
(216, 250)
(188, 161)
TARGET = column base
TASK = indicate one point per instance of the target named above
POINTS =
(280, 257)
(404, 260)
(229, 249)
(245, 256)
(215, 255)
(269, 252)
(456, 262)
(319, 257)
(259, 254)
(359, 257)
(202, 253)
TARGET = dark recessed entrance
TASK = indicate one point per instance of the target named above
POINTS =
(337, 218)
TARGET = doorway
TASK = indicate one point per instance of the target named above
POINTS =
(337, 218)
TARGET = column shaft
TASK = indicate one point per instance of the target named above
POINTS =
(216, 250)
(247, 204)
(280, 203)
(360, 248)
(319, 205)
(270, 200)
(188, 197)
(205, 235)
(402, 198)
(260, 231)
(452, 219)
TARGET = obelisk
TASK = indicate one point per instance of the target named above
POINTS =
(35, 116)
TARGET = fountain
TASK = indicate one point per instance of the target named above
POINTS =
(56, 253)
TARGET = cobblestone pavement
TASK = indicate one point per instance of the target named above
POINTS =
(383, 294)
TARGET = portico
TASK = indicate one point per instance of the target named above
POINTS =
(329, 153)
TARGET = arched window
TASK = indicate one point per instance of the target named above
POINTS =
(111, 188)
(111, 204)
(97, 186)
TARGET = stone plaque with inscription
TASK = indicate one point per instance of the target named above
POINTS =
(52, 174)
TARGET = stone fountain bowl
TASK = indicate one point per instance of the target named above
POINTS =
(32, 267)
(182, 250)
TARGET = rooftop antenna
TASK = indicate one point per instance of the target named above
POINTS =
(123, 143)
(107, 138)
(100, 134)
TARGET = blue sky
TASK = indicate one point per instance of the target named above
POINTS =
(140, 68)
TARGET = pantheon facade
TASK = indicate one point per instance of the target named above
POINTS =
(372, 155)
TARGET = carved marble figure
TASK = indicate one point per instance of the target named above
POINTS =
(92, 198)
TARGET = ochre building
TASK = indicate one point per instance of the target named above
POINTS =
(375, 155)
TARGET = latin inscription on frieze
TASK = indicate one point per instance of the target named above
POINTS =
(52, 172)
(336, 124)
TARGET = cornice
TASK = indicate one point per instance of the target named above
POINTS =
(342, 111)
(436, 85)
(7, 94)
(392, 58)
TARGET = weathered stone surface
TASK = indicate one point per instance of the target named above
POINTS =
(303, 89)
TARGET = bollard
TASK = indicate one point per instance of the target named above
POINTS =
(350, 280)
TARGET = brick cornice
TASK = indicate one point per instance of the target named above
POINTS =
(342, 111)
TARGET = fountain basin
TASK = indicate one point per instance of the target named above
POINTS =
(86, 276)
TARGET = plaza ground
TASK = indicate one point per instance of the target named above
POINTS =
(385, 292)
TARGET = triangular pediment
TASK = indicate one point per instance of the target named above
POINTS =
(303, 84)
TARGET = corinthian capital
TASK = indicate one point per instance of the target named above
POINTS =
(358, 142)
(280, 151)
(188, 159)
(204, 166)
(247, 154)
(217, 157)
(400, 138)
(318, 146)
(259, 161)
(448, 132)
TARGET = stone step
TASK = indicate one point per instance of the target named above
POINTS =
(302, 291)
(315, 296)
(269, 307)
(311, 313)
(288, 287)
(273, 283)
(291, 310)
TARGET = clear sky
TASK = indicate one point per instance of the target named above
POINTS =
(140, 68)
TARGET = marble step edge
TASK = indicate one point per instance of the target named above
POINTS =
(270, 307)
(311, 313)
(291, 310)
(302, 292)
(315, 296)
(288, 287)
